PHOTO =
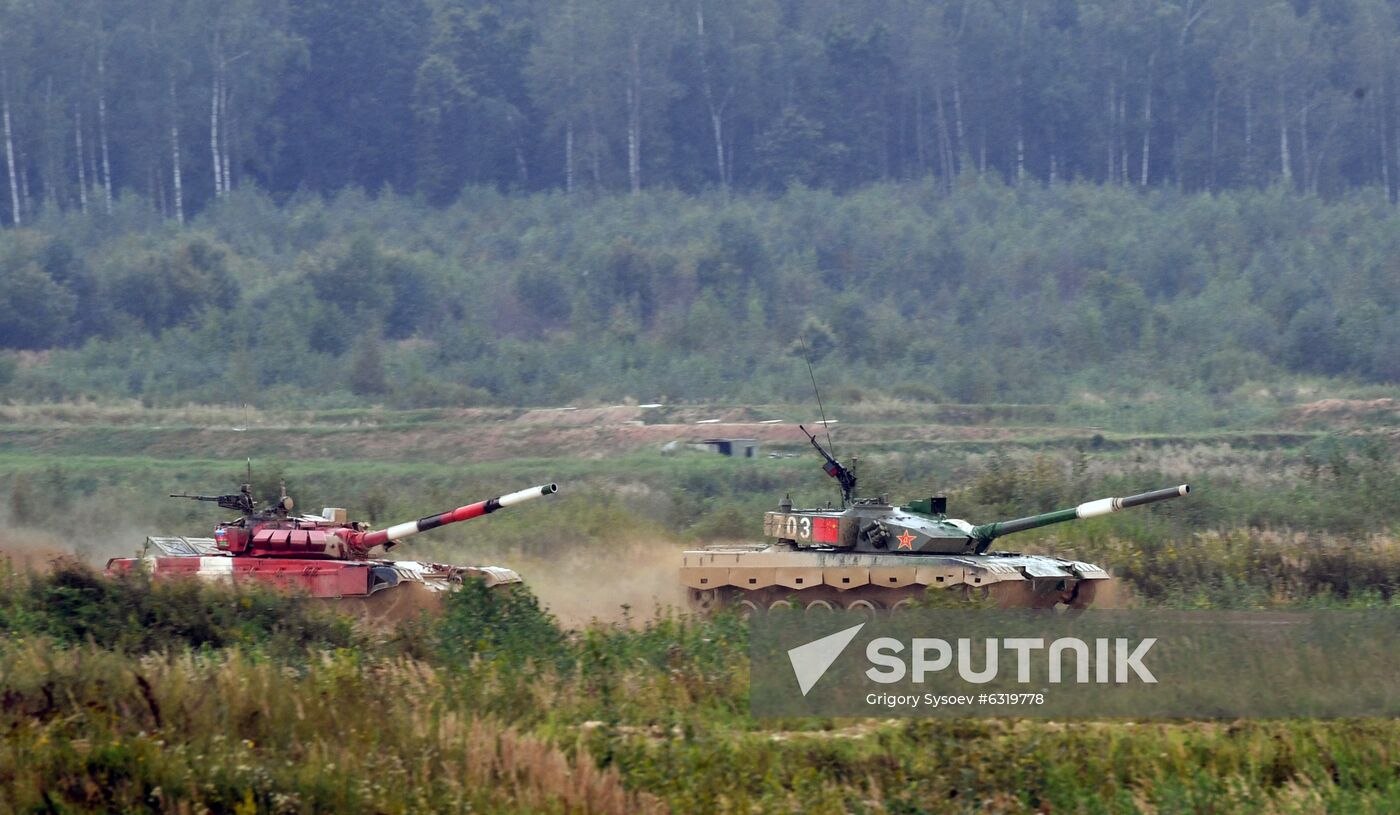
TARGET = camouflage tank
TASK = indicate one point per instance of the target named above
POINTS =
(322, 556)
(870, 554)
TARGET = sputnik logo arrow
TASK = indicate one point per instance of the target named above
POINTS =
(810, 661)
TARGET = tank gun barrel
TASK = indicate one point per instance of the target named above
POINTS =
(986, 533)
(388, 537)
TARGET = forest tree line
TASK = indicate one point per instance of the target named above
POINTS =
(183, 101)
(987, 293)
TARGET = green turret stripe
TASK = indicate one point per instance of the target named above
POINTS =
(987, 532)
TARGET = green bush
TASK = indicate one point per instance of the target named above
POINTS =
(504, 625)
(73, 604)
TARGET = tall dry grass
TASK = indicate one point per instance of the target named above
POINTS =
(231, 732)
(1249, 567)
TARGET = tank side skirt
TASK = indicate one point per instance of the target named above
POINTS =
(850, 577)
(317, 578)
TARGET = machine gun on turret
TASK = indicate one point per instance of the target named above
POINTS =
(241, 501)
(835, 469)
(244, 502)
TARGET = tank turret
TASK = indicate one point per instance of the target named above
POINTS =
(875, 526)
(275, 532)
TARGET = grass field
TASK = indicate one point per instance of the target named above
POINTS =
(127, 697)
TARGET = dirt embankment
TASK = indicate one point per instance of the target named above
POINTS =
(591, 436)
(1345, 413)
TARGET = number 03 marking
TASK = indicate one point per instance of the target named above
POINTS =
(799, 527)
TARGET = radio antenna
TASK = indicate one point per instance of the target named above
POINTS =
(808, 359)
(833, 468)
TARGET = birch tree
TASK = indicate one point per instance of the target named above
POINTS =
(248, 44)
(600, 69)
(181, 101)
(102, 135)
(729, 37)
(16, 213)
(565, 79)
(640, 38)
(16, 43)
(470, 100)
(1374, 38)
(1269, 58)
(928, 65)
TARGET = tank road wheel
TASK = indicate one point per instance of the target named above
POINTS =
(391, 606)
(704, 601)
(903, 605)
(1046, 596)
(820, 607)
(1083, 593)
(865, 608)
(1006, 594)
(746, 608)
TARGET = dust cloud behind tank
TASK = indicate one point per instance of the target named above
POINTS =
(870, 554)
(324, 556)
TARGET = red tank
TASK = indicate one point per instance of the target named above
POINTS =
(323, 555)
